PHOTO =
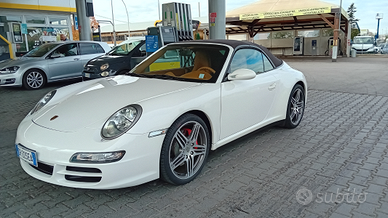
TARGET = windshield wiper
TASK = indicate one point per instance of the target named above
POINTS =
(136, 75)
(163, 76)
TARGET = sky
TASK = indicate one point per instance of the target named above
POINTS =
(147, 10)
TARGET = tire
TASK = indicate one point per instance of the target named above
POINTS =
(34, 79)
(185, 149)
(295, 107)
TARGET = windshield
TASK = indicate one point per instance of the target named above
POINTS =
(367, 40)
(189, 62)
(40, 50)
(124, 49)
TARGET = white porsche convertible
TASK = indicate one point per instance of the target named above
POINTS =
(161, 119)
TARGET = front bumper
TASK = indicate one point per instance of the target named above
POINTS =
(12, 79)
(140, 164)
(366, 51)
(89, 75)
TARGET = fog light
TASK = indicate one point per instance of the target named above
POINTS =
(104, 157)
(105, 73)
(10, 81)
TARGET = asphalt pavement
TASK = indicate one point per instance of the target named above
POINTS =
(335, 164)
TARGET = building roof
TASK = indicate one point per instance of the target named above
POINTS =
(265, 6)
(279, 15)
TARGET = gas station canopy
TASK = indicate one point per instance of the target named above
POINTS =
(277, 15)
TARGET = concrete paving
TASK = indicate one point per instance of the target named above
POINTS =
(335, 164)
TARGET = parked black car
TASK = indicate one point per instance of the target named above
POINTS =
(119, 60)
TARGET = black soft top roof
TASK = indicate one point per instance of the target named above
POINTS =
(234, 43)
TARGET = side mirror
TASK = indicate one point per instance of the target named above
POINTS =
(242, 74)
(55, 55)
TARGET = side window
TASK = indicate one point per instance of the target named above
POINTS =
(267, 64)
(249, 59)
(66, 50)
(99, 49)
(90, 48)
(141, 51)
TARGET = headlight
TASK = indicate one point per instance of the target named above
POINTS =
(121, 121)
(43, 101)
(104, 157)
(104, 74)
(104, 67)
(8, 70)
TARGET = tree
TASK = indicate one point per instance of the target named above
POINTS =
(351, 11)
(355, 30)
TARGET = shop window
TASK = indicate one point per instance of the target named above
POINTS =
(35, 20)
(11, 19)
(308, 33)
(106, 38)
(327, 32)
(262, 36)
(40, 35)
(237, 37)
(58, 21)
(283, 35)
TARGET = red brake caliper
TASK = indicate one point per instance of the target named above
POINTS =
(187, 132)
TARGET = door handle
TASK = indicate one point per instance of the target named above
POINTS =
(76, 59)
(272, 87)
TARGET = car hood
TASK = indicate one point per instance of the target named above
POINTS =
(18, 62)
(90, 104)
(111, 59)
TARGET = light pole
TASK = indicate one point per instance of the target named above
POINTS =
(113, 24)
(114, 32)
(336, 35)
(129, 32)
(379, 16)
(159, 10)
(113, 19)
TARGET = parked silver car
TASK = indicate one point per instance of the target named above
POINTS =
(384, 48)
(50, 62)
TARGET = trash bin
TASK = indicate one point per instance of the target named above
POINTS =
(353, 53)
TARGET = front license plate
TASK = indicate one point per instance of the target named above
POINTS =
(27, 155)
(87, 75)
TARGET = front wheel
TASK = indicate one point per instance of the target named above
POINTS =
(184, 150)
(295, 107)
(34, 79)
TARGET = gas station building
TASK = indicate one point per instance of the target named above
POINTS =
(25, 24)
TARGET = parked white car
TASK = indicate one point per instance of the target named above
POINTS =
(160, 120)
(50, 62)
(365, 44)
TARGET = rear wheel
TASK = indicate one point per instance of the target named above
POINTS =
(295, 107)
(34, 79)
(184, 150)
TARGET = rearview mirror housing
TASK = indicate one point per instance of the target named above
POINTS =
(242, 74)
(55, 56)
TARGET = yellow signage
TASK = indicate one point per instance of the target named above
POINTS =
(288, 13)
